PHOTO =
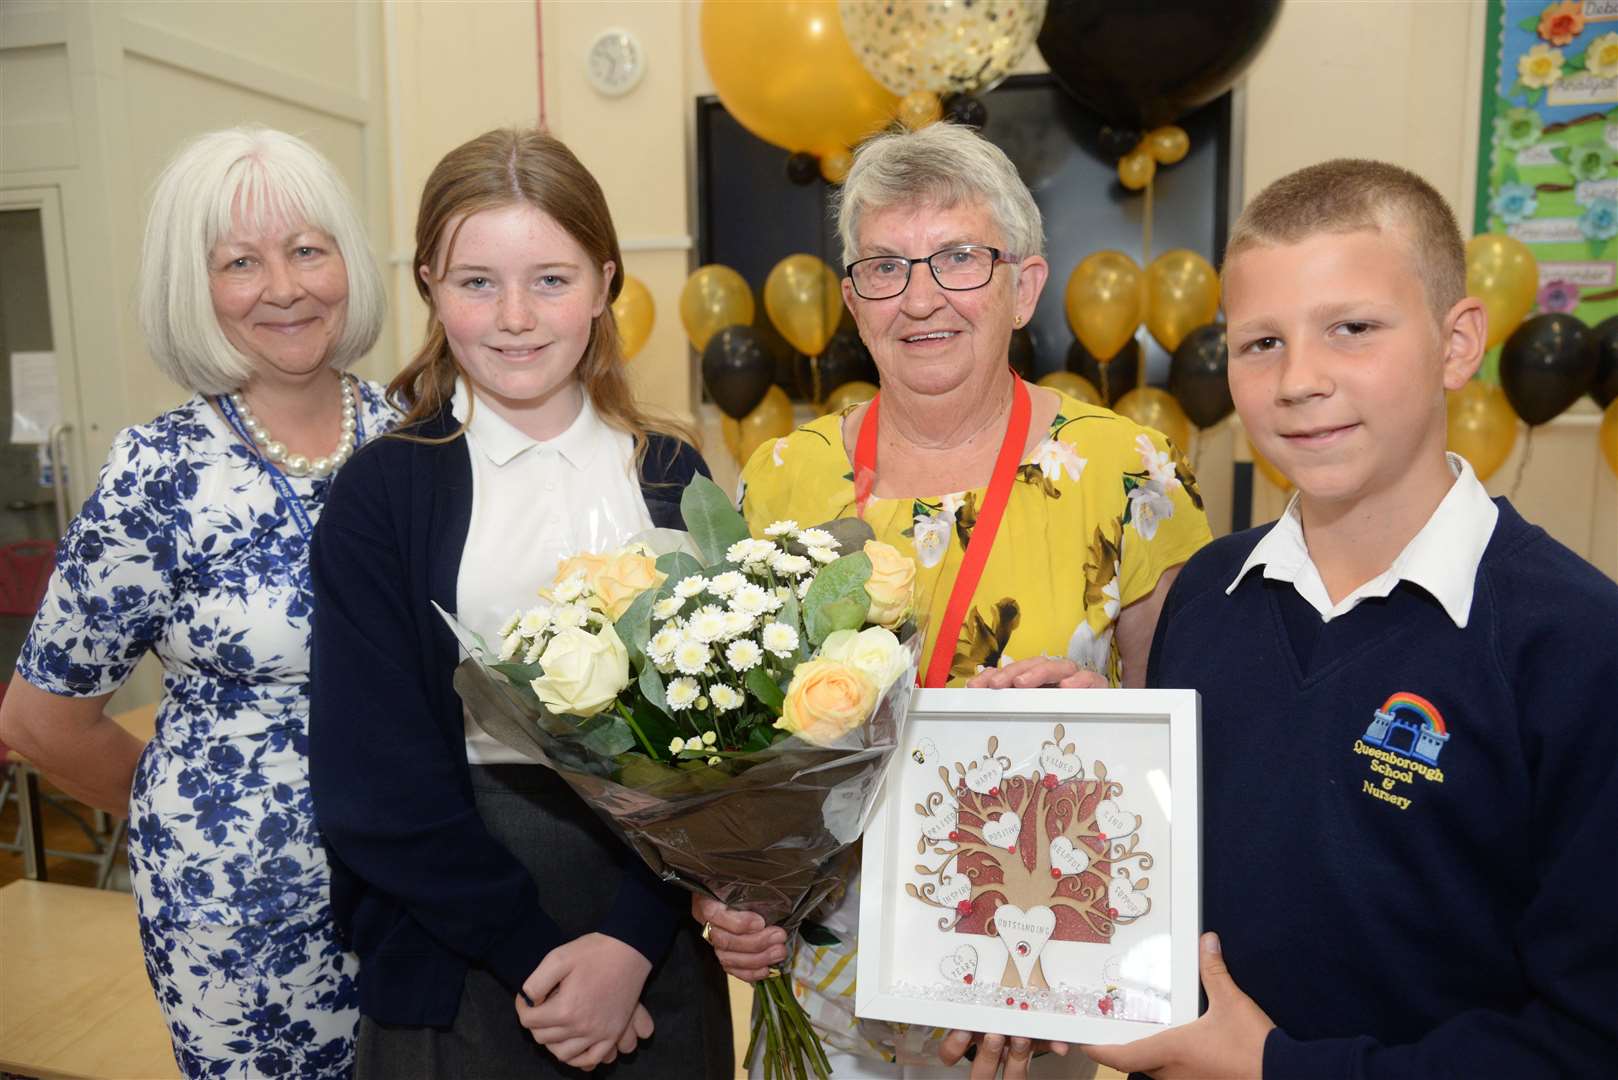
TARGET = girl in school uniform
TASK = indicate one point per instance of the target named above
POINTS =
(501, 928)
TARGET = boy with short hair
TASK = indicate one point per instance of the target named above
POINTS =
(1410, 747)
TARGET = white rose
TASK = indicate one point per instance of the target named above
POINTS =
(874, 651)
(584, 672)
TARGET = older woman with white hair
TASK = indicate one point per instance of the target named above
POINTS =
(257, 291)
(1046, 532)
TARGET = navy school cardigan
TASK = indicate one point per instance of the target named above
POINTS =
(420, 890)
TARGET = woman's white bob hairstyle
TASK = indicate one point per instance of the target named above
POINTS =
(943, 165)
(200, 199)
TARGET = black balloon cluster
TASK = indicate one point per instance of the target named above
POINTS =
(1551, 360)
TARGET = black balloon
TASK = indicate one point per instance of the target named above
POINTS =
(1604, 343)
(1198, 375)
(737, 370)
(1023, 355)
(1149, 62)
(1122, 373)
(844, 359)
(1115, 142)
(1545, 365)
(803, 168)
(965, 109)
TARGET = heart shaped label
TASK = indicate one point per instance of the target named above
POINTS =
(1004, 831)
(1128, 903)
(1025, 934)
(983, 777)
(953, 889)
(960, 966)
(1062, 766)
(940, 824)
(1067, 858)
(1114, 821)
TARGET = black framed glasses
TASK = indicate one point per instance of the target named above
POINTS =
(959, 269)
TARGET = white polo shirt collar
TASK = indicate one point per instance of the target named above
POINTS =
(499, 442)
(1442, 559)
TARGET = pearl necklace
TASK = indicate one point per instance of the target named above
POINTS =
(298, 464)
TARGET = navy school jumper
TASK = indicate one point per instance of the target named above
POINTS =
(1410, 830)
(420, 890)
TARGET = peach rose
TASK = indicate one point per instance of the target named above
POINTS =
(892, 586)
(826, 701)
(623, 577)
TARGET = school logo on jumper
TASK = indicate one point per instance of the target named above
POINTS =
(1403, 741)
(1410, 724)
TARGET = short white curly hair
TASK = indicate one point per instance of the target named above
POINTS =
(194, 205)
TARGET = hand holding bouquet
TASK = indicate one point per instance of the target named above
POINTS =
(726, 703)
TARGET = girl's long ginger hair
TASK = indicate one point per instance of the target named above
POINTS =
(497, 169)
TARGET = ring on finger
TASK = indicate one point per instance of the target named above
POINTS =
(707, 932)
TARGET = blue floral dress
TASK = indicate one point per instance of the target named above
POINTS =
(186, 549)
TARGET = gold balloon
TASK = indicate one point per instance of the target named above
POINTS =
(1105, 300)
(920, 108)
(1182, 293)
(803, 299)
(786, 71)
(714, 297)
(1482, 427)
(1609, 436)
(1265, 466)
(1136, 169)
(835, 165)
(850, 393)
(1073, 385)
(1501, 271)
(1167, 145)
(770, 419)
(946, 46)
(1156, 409)
(634, 313)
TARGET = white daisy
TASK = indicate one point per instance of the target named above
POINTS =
(569, 589)
(780, 639)
(510, 625)
(690, 586)
(715, 760)
(754, 600)
(744, 654)
(570, 615)
(817, 538)
(706, 624)
(726, 583)
(535, 651)
(823, 554)
(682, 693)
(725, 698)
(691, 656)
(535, 622)
(661, 647)
(787, 527)
(509, 646)
(786, 563)
(737, 623)
(666, 608)
(803, 587)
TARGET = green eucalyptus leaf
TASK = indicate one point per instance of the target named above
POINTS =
(837, 600)
(765, 689)
(677, 565)
(634, 626)
(607, 734)
(711, 519)
(651, 685)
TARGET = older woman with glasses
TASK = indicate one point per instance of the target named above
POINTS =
(1046, 532)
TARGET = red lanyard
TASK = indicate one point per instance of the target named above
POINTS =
(988, 520)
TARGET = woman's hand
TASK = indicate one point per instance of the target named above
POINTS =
(1039, 671)
(745, 946)
(586, 998)
(1014, 1052)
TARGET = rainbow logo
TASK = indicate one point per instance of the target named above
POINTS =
(1409, 724)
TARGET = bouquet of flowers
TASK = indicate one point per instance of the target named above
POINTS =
(726, 703)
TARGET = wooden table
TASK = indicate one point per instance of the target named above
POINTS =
(140, 722)
(74, 998)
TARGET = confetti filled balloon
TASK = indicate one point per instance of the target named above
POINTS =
(945, 46)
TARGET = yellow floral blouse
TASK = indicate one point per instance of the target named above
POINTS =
(1100, 509)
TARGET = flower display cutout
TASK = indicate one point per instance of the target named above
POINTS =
(1052, 841)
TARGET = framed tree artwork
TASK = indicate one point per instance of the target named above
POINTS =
(1032, 866)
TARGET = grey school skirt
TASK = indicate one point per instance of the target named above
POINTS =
(576, 862)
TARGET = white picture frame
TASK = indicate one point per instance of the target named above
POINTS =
(926, 959)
